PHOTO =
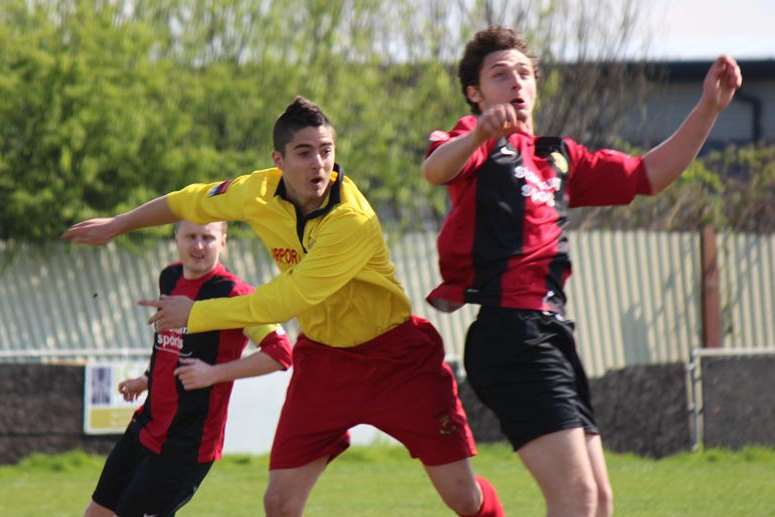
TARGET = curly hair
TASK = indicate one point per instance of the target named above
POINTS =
(485, 42)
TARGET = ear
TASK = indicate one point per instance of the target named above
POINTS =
(277, 158)
(473, 94)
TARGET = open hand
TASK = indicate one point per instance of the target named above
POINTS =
(97, 232)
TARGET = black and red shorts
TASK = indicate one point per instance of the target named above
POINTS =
(523, 365)
(136, 482)
(397, 382)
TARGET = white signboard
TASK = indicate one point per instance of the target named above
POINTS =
(104, 409)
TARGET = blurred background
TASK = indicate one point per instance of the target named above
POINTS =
(105, 104)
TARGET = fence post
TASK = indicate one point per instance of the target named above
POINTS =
(711, 297)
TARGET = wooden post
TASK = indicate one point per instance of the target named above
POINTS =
(711, 296)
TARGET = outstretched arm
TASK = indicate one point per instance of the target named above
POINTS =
(195, 373)
(665, 162)
(446, 162)
(101, 230)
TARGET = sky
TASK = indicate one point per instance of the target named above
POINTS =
(703, 29)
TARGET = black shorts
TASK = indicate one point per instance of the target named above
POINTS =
(523, 365)
(138, 482)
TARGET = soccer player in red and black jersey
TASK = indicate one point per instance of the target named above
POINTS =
(503, 247)
(174, 437)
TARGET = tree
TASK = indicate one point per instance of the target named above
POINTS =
(106, 103)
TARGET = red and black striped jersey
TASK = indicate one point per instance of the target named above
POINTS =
(191, 424)
(503, 242)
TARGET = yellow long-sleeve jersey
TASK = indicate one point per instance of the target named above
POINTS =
(336, 274)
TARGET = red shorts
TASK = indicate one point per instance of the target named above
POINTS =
(397, 382)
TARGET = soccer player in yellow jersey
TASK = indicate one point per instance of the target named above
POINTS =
(362, 357)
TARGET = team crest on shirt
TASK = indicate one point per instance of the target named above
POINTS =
(220, 188)
(559, 162)
(506, 154)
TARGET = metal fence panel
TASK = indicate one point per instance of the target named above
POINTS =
(747, 264)
(634, 295)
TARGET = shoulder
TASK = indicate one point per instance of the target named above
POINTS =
(224, 283)
(462, 126)
(260, 182)
(353, 202)
(169, 276)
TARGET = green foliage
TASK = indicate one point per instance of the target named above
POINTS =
(731, 189)
(108, 103)
(84, 113)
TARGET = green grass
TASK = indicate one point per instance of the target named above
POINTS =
(384, 481)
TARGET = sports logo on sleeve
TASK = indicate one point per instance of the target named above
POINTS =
(220, 188)
(438, 136)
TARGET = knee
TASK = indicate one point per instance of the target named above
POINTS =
(585, 492)
(577, 498)
(278, 504)
(464, 502)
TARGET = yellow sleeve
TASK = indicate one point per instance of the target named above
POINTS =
(257, 333)
(345, 244)
(203, 203)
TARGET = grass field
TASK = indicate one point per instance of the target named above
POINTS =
(383, 481)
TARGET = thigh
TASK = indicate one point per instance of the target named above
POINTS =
(161, 486)
(558, 460)
(119, 470)
(517, 365)
(288, 489)
(318, 410)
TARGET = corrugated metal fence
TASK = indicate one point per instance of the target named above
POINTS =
(635, 295)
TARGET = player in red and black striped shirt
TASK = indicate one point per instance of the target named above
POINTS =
(503, 246)
(178, 432)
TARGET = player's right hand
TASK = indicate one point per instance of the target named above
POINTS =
(497, 121)
(97, 232)
(130, 389)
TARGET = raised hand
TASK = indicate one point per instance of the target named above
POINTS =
(721, 82)
(496, 122)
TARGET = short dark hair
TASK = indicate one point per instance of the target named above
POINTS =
(299, 114)
(485, 42)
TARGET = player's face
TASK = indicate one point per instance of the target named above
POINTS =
(307, 164)
(507, 77)
(199, 247)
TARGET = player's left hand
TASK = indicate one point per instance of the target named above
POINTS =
(195, 374)
(721, 82)
(172, 314)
